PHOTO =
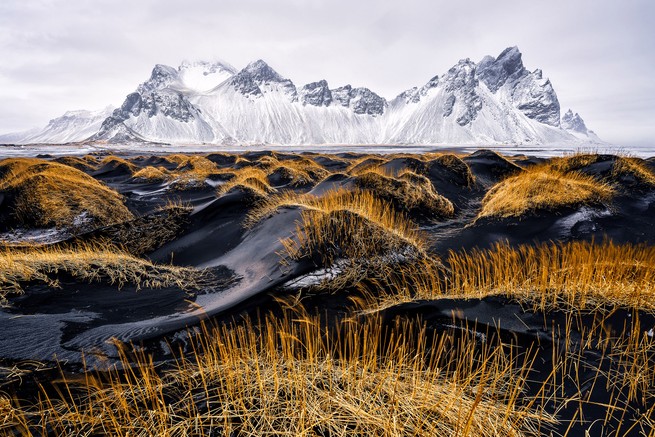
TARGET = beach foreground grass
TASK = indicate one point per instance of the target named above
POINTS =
(391, 295)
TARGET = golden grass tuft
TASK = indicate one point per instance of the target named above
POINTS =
(117, 162)
(579, 276)
(457, 166)
(349, 231)
(352, 225)
(542, 188)
(87, 263)
(249, 178)
(576, 275)
(296, 171)
(623, 168)
(635, 169)
(84, 164)
(300, 171)
(152, 174)
(408, 192)
(287, 378)
(191, 171)
(364, 164)
(51, 194)
(146, 233)
(574, 162)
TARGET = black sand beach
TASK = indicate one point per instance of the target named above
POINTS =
(268, 234)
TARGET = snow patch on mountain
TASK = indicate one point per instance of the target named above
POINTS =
(202, 76)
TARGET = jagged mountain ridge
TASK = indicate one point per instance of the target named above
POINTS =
(494, 101)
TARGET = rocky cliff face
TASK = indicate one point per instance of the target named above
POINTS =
(533, 95)
(316, 94)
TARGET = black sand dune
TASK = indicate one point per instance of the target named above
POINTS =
(213, 235)
(201, 227)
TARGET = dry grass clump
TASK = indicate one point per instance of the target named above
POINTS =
(116, 162)
(295, 171)
(86, 164)
(635, 171)
(288, 378)
(364, 164)
(251, 179)
(458, 167)
(300, 171)
(12, 419)
(408, 192)
(152, 174)
(352, 225)
(574, 162)
(632, 171)
(577, 275)
(574, 276)
(542, 188)
(191, 171)
(241, 162)
(146, 233)
(45, 194)
(85, 262)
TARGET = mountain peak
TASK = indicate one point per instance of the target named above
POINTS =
(495, 72)
(511, 60)
(510, 52)
(262, 72)
(161, 76)
(250, 80)
(573, 122)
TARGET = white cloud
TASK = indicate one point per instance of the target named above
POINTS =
(58, 55)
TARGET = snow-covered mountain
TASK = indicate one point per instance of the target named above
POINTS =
(70, 127)
(496, 100)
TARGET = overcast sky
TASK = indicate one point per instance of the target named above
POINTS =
(57, 55)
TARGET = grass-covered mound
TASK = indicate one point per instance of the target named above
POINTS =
(151, 173)
(408, 192)
(542, 188)
(346, 230)
(353, 225)
(144, 234)
(626, 173)
(450, 168)
(39, 193)
(87, 263)
(580, 276)
(295, 172)
(250, 179)
(86, 163)
(181, 171)
(112, 166)
(191, 170)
